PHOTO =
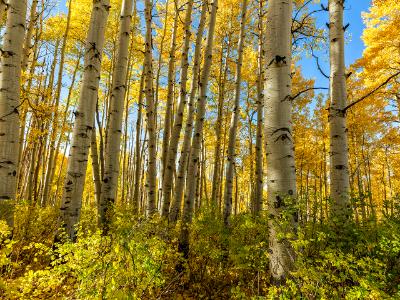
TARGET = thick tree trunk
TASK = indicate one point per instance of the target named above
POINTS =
(337, 117)
(177, 126)
(84, 119)
(112, 151)
(185, 150)
(192, 172)
(150, 115)
(10, 76)
(278, 135)
(230, 163)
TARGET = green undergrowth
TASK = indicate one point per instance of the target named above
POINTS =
(139, 258)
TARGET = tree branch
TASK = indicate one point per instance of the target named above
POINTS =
(306, 90)
(372, 92)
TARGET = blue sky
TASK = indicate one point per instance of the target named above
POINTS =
(354, 45)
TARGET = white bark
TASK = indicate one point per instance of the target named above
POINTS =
(170, 95)
(192, 172)
(150, 115)
(258, 197)
(339, 168)
(10, 76)
(281, 175)
(185, 150)
(230, 162)
(112, 151)
(176, 131)
(84, 118)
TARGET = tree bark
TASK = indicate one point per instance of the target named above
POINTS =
(185, 150)
(112, 151)
(150, 115)
(230, 163)
(10, 76)
(337, 118)
(278, 135)
(84, 119)
(177, 127)
(192, 172)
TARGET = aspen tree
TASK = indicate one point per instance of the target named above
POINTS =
(150, 114)
(177, 127)
(10, 76)
(138, 156)
(52, 153)
(84, 118)
(339, 168)
(170, 94)
(192, 172)
(185, 150)
(278, 133)
(216, 182)
(258, 198)
(230, 164)
(112, 151)
(94, 154)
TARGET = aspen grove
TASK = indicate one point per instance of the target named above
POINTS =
(212, 149)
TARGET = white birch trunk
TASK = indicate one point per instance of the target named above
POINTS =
(192, 172)
(170, 95)
(112, 151)
(339, 169)
(258, 197)
(150, 115)
(230, 162)
(185, 150)
(281, 175)
(176, 131)
(10, 76)
(84, 118)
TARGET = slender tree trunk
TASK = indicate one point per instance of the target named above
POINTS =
(10, 76)
(185, 150)
(84, 119)
(112, 151)
(218, 126)
(150, 115)
(170, 95)
(138, 156)
(337, 117)
(197, 137)
(95, 165)
(177, 125)
(52, 154)
(258, 197)
(278, 134)
(230, 163)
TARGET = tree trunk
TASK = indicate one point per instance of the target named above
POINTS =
(10, 76)
(258, 197)
(112, 151)
(84, 119)
(230, 162)
(95, 165)
(177, 127)
(185, 150)
(52, 154)
(150, 115)
(197, 137)
(337, 116)
(278, 134)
